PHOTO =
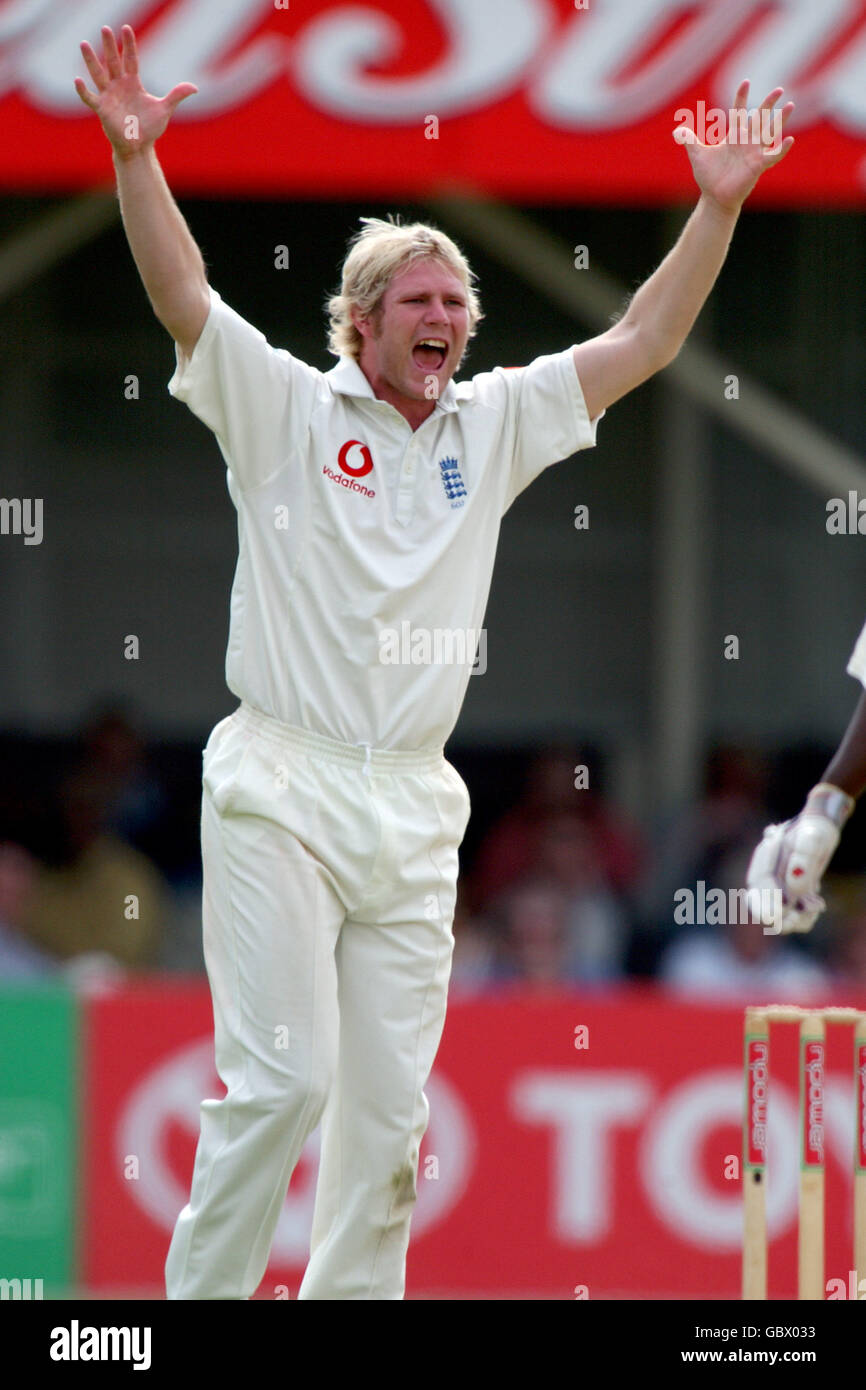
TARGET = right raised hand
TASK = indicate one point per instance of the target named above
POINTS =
(131, 118)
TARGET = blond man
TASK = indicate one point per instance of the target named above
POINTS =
(369, 501)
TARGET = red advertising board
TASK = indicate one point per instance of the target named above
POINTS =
(567, 100)
(579, 1147)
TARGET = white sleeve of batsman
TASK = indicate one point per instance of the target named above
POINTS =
(785, 872)
(857, 665)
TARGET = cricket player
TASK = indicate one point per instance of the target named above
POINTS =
(369, 501)
(791, 859)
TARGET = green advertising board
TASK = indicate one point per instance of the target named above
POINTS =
(38, 1141)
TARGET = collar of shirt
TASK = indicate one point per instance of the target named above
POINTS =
(347, 379)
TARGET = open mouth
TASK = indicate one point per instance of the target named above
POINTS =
(429, 354)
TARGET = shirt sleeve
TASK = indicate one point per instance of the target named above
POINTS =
(550, 419)
(254, 397)
(857, 664)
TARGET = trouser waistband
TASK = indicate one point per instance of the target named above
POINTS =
(359, 755)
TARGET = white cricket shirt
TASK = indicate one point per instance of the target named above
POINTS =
(857, 664)
(366, 549)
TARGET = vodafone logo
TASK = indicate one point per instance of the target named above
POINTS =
(355, 461)
(362, 452)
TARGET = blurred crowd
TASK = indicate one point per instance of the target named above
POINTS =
(89, 886)
(560, 888)
(567, 890)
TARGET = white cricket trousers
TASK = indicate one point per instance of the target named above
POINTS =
(330, 877)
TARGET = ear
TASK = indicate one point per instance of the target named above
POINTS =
(361, 322)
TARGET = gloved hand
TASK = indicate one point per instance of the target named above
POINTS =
(785, 872)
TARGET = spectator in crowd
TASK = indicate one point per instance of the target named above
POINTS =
(531, 922)
(115, 755)
(544, 935)
(102, 896)
(474, 961)
(737, 959)
(20, 960)
(845, 934)
(510, 849)
(727, 820)
(596, 925)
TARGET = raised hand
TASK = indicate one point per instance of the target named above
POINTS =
(727, 172)
(131, 118)
(785, 871)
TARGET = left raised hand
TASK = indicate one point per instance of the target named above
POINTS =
(727, 172)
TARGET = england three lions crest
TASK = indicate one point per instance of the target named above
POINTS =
(452, 482)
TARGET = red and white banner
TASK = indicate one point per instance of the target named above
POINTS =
(578, 1148)
(571, 100)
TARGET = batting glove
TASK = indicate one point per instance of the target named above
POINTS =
(784, 877)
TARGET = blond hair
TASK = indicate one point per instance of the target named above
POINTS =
(378, 252)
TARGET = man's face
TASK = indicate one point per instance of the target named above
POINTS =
(414, 341)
